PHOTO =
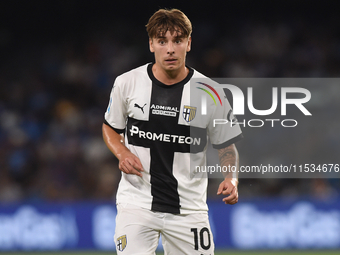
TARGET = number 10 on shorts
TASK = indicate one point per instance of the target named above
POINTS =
(204, 238)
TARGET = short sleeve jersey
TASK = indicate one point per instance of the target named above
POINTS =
(163, 128)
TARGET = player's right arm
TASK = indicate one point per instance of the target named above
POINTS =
(114, 125)
(129, 163)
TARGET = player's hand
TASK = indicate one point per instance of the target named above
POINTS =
(129, 163)
(229, 188)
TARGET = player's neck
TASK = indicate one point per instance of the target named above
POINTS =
(170, 77)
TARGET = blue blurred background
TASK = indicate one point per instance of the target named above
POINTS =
(58, 61)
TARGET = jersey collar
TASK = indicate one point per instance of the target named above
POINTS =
(161, 84)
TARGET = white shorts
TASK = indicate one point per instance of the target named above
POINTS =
(138, 230)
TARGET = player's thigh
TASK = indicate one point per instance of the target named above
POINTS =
(189, 234)
(135, 231)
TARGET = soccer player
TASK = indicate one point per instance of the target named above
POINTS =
(150, 126)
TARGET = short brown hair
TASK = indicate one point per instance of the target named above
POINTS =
(171, 20)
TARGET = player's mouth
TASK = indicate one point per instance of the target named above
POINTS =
(171, 60)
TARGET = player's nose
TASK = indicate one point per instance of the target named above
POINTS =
(171, 49)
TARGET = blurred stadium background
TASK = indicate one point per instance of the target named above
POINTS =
(58, 60)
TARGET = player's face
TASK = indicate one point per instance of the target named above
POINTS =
(170, 50)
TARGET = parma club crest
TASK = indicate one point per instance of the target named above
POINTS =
(121, 243)
(189, 113)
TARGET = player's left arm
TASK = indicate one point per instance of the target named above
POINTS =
(229, 157)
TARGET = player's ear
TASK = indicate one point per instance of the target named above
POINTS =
(151, 45)
(189, 44)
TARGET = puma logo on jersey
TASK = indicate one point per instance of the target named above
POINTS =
(140, 107)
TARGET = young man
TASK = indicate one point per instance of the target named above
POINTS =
(149, 129)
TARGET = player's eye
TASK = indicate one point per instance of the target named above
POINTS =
(161, 42)
(178, 41)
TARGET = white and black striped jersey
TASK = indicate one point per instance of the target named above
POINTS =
(164, 128)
